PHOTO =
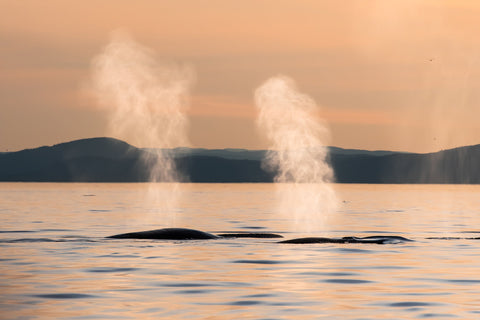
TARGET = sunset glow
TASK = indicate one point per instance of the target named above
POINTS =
(397, 75)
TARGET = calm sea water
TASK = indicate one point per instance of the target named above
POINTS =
(56, 264)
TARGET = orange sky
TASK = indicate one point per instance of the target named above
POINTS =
(396, 74)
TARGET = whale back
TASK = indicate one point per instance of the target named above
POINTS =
(192, 234)
(370, 239)
(167, 234)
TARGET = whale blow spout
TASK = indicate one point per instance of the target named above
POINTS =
(297, 154)
(146, 100)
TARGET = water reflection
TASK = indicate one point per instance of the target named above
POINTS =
(79, 274)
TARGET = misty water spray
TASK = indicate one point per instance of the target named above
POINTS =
(297, 152)
(146, 101)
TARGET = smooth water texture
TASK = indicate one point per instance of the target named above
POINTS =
(56, 263)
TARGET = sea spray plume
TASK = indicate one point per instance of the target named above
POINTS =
(146, 101)
(297, 153)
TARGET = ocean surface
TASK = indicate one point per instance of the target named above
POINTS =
(55, 262)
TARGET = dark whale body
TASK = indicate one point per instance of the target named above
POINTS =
(370, 239)
(188, 234)
(167, 234)
(192, 234)
(249, 235)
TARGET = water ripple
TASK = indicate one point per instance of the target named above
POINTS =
(437, 315)
(20, 240)
(245, 303)
(332, 274)
(110, 270)
(258, 261)
(346, 281)
(353, 250)
(192, 291)
(184, 285)
(463, 281)
(252, 227)
(410, 304)
(114, 255)
(64, 296)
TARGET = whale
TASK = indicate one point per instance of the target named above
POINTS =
(189, 234)
(192, 234)
(167, 234)
(370, 239)
(249, 235)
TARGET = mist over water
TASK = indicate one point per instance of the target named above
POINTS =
(298, 153)
(146, 101)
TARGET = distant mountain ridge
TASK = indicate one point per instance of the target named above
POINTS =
(113, 160)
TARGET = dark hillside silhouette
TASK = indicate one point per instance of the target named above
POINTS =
(112, 160)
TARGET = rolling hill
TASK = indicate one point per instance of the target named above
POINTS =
(112, 160)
